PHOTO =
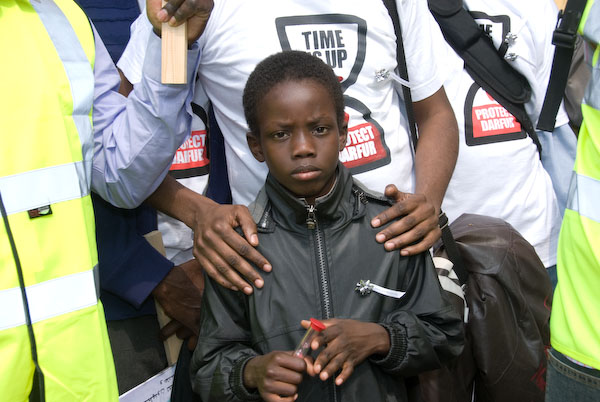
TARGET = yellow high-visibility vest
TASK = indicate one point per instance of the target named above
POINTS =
(46, 148)
(575, 320)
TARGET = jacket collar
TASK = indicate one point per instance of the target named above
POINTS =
(338, 206)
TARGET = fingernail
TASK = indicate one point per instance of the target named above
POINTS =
(234, 288)
(254, 239)
(389, 246)
(259, 283)
(267, 267)
(380, 237)
(248, 290)
(375, 222)
(162, 15)
(404, 253)
(172, 21)
(339, 381)
(317, 368)
(324, 376)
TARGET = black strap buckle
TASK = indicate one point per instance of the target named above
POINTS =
(565, 33)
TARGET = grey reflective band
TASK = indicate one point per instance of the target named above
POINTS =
(591, 32)
(77, 67)
(591, 29)
(48, 299)
(584, 196)
(38, 188)
(592, 95)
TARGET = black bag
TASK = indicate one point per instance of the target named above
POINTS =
(508, 294)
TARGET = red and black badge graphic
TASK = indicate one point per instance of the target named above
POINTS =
(340, 41)
(191, 159)
(365, 146)
(486, 121)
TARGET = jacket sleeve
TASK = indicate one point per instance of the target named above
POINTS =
(224, 346)
(425, 330)
(129, 266)
(136, 137)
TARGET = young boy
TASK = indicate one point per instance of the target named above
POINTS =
(314, 227)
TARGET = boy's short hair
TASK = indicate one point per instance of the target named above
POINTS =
(291, 65)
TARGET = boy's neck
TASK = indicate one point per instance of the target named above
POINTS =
(313, 200)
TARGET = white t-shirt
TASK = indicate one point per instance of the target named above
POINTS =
(190, 163)
(357, 39)
(498, 172)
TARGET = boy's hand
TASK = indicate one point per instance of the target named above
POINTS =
(276, 375)
(347, 343)
(417, 223)
(222, 252)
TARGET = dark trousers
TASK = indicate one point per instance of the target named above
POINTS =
(137, 350)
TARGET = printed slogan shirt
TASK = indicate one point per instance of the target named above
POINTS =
(499, 172)
(357, 40)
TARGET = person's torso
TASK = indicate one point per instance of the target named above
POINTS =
(48, 236)
(575, 308)
(356, 40)
(498, 171)
(321, 273)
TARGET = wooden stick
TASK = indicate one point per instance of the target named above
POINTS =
(172, 344)
(174, 53)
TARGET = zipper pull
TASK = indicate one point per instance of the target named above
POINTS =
(360, 195)
(311, 219)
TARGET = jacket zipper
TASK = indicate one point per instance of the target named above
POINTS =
(312, 225)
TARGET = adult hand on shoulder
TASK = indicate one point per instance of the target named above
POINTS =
(347, 343)
(180, 295)
(221, 250)
(176, 12)
(276, 375)
(414, 226)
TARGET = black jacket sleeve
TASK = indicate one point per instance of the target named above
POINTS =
(223, 346)
(425, 330)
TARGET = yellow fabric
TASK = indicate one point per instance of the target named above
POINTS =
(37, 131)
(575, 320)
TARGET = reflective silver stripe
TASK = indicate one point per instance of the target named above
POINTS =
(591, 30)
(592, 95)
(48, 299)
(584, 196)
(77, 67)
(41, 187)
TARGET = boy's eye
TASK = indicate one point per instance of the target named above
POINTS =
(279, 135)
(321, 130)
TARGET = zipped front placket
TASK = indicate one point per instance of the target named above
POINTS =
(313, 226)
(317, 235)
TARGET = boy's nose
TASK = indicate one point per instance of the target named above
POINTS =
(303, 145)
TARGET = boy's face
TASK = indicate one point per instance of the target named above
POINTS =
(300, 139)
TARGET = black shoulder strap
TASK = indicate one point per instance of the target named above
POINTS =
(447, 238)
(483, 61)
(403, 70)
(563, 39)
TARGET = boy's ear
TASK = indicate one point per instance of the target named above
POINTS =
(343, 134)
(255, 146)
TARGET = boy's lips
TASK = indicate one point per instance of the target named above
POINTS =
(305, 172)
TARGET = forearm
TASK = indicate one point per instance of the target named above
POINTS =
(425, 330)
(180, 202)
(223, 345)
(437, 148)
(136, 137)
